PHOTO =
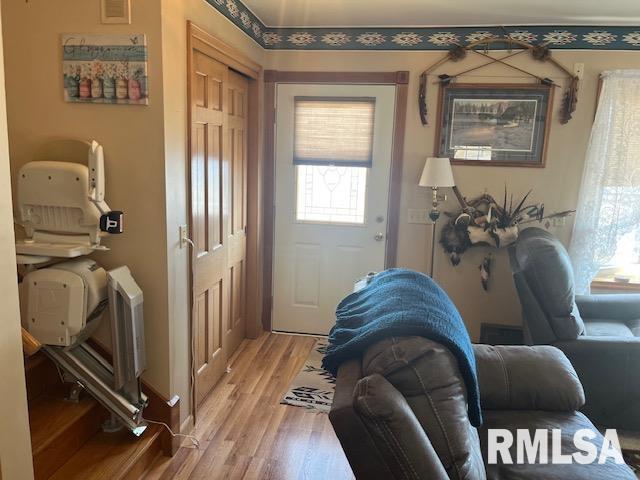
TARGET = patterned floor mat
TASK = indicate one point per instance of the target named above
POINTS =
(313, 387)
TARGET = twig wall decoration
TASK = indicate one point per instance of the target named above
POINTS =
(541, 53)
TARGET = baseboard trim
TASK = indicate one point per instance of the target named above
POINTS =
(187, 426)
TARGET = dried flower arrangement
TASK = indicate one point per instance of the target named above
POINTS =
(483, 221)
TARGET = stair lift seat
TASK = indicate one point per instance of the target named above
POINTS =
(55, 210)
(64, 294)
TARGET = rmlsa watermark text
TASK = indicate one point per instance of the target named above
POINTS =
(545, 447)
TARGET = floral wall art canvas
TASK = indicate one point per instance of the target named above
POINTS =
(105, 69)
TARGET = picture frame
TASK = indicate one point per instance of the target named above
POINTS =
(105, 69)
(504, 125)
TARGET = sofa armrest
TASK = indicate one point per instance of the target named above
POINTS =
(602, 348)
(399, 436)
(621, 307)
(360, 448)
(608, 369)
(527, 378)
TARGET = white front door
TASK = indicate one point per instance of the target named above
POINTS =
(330, 220)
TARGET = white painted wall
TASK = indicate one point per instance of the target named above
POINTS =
(146, 159)
(557, 184)
(15, 441)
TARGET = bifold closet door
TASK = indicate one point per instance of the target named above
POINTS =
(218, 215)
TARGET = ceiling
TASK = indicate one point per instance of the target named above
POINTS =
(400, 13)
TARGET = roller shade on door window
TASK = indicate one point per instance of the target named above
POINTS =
(334, 131)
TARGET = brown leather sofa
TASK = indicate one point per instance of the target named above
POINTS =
(400, 412)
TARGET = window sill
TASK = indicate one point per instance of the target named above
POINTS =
(606, 280)
(612, 285)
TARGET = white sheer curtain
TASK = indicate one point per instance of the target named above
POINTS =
(609, 203)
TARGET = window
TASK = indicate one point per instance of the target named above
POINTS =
(333, 150)
(331, 194)
(607, 229)
(627, 250)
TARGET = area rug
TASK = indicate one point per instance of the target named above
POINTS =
(313, 386)
(630, 444)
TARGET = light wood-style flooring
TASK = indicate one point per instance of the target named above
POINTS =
(245, 433)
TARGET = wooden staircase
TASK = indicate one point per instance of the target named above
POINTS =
(66, 437)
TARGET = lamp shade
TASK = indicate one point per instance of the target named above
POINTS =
(437, 173)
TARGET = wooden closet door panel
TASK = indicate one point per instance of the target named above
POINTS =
(209, 219)
(218, 149)
(237, 91)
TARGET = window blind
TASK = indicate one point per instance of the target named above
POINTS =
(333, 131)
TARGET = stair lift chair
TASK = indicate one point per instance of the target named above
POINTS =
(63, 293)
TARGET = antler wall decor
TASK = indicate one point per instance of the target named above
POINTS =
(541, 53)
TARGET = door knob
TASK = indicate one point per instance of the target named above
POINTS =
(378, 236)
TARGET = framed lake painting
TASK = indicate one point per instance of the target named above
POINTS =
(494, 124)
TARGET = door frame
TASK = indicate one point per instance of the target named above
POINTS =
(274, 77)
(200, 40)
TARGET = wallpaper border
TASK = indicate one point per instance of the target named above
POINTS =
(570, 37)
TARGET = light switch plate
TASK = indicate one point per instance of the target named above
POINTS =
(184, 235)
(418, 215)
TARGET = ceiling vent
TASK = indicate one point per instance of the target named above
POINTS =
(115, 11)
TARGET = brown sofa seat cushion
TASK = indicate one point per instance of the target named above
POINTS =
(428, 377)
(569, 423)
(401, 441)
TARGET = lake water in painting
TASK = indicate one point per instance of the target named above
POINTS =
(499, 125)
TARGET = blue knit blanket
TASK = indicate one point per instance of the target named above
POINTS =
(400, 302)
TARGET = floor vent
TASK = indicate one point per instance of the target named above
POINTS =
(495, 334)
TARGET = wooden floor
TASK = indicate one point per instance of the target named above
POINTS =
(245, 433)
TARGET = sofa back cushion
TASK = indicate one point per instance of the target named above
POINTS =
(547, 268)
(527, 378)
(400, 440)
(427, 376)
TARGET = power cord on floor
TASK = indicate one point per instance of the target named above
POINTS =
(194, 440)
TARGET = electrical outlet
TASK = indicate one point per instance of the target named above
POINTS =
(418, 215)
(560, 222)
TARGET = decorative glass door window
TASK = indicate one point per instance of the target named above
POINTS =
(333, 150)
(331, 194)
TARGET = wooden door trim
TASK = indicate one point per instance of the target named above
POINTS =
(199, 40)
(271, 78)
(222, 52)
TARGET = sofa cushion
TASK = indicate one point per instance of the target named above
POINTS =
(427, 376)
(634, 326)
(399, 438)
(546, 265)
(606, 328)
(527, 378)
(569, 423)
